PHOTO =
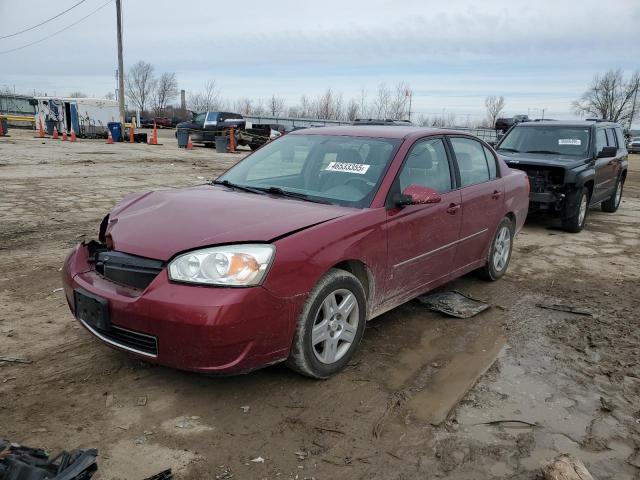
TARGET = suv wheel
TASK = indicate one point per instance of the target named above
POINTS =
(330, 326)
(576, 215)
(612, 203)
(500, 251)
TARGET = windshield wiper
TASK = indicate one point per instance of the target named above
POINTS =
(287, 193)
(506, 149)
(543, 151)
(244, 188)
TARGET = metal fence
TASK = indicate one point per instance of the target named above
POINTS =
(486, 134)
(17, 105)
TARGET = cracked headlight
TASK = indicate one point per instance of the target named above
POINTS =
(234, 265)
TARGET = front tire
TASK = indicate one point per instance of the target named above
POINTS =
(330, 326)
(612, 203)
(575, 216)
(500, 251)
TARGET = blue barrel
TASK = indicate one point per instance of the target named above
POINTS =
(116, 131)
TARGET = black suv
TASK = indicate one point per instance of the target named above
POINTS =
(571, 166)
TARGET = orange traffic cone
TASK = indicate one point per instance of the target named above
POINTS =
(109, 138)
(189, 143)
(73, 135)
(64, 135)
(40, 130)
(154, 137)
(55, 133)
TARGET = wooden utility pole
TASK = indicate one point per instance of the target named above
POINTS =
(120, 62)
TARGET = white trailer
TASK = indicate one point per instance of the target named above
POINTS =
(88, 117)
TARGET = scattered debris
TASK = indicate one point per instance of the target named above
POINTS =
(258, 460)
(511, 423)
(163, 475)
(302, 455)
(245, 408)
(559, 307)
(55, 290)
(454, 304)
(8, 378)
(566, 467)
(142, 401)
(331, 430)
(20, 462)
(123, 427)
(15, 360)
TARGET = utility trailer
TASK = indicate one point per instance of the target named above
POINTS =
(87, 116)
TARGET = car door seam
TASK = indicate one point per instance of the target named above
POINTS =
(443, 247)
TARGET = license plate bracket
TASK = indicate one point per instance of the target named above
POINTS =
(92, 309)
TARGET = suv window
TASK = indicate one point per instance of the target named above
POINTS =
(620, 136)
(612, 141)
(472, 162)
(426, 165)
(200, 118)
(601, 140)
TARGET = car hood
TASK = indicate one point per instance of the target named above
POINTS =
(160, 224)
(542, 159)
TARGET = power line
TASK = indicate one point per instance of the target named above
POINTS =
(59, 31)
(42, 23)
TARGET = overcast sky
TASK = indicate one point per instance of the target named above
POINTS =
(537, 53)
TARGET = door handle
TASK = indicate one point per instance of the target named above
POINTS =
(496, 194)
(453, 208)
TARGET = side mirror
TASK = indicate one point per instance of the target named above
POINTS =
(419, 195)
(607, 152)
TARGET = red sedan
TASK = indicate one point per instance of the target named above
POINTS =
(288, 254)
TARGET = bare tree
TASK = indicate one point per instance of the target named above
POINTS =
(109, 96)
(77, 94)
(165, 91)
(494, 106)
(208, 99)
(610, 97)
(382, 102)
(140, 84)
(243, 106)
(399, 102)
(353, 108)
(276, 105)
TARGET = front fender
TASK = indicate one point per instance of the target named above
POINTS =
(304, 257)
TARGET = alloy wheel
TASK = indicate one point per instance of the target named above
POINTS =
(502, 248)
(335, 326)
(582, 213)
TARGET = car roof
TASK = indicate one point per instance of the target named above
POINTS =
(378, 131)
(567, 123)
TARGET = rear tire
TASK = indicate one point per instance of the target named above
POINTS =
(500, 251)
(575, 216)
(612, 203)
(330, 326)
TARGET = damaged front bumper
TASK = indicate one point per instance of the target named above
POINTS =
(189, 327)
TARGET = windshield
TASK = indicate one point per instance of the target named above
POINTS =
(331, 169)
(547, 139)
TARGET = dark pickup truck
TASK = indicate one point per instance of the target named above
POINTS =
(571, 166)
(204, 127)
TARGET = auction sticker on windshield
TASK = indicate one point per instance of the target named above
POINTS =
(569, 141)
(360, 168)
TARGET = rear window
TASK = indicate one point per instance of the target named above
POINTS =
(212, 117)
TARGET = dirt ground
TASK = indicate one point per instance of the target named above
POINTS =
(562, 382)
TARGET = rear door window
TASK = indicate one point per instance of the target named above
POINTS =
(491, 162)
(612, 141)
(471, 159)
(601, 139)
